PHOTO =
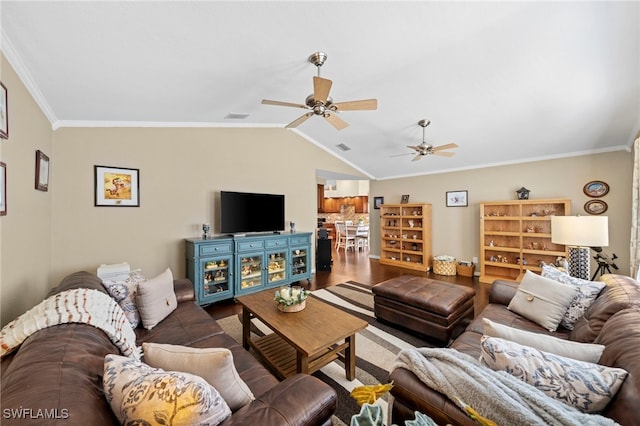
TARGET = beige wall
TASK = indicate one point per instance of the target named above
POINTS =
(25, 232)
(181, 172)
(456, 230)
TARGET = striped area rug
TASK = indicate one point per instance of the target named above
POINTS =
(376, 346)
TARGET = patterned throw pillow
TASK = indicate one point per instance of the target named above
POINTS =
(124, 292)
(583, 385)
(587, 293)
(142, 395)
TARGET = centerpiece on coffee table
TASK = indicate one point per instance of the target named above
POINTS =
(291, 299)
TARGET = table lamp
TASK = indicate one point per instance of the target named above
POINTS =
(580, 233)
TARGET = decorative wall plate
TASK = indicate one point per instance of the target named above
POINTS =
(596, 189)
(595, 207)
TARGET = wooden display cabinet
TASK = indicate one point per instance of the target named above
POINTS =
(515, 236)
(405, 231)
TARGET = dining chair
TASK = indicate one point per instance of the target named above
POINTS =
(347, 238)
(362, 237)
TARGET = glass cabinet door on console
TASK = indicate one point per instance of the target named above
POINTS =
(250, 272)
(217, 279)
(300, 255)
(277, 268)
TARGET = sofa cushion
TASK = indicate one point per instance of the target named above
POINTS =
(156, 299)
(587, 293)
(140, 394)
(587, 386)
(542, 300)
(621, 292)
(215, 365)
(581, 351)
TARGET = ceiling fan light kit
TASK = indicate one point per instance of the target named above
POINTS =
(320, 103)
(427, 149)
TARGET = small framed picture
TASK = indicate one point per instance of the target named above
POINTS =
(3, 189)
(117, 187)
(377, 202)
(596, 189)
(4, 112)
(42, 171)
(404, 199)
(595, 207)
(457, 199)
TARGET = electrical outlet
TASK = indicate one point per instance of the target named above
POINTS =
(474, 260)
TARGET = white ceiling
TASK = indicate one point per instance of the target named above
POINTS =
(506, 81)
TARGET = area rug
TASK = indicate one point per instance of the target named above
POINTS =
(376, 346)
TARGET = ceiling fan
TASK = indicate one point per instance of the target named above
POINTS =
(426, 149)
(320, 103)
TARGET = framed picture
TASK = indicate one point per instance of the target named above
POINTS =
(596, 189)
(457, 199)
(595, 207)
(404, 199)
(3, 189)
(117, 187)
(377, 202)
(42, 171)
(4, 112)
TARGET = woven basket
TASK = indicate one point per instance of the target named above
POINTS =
(292, 308)
(442, 267)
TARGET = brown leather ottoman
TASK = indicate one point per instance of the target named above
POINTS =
(432, 308)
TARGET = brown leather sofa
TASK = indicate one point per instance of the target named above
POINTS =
(55, 377)
(612, 320)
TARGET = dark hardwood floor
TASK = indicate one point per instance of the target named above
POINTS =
(357, 266)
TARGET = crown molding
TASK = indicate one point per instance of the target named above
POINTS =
(25, 76)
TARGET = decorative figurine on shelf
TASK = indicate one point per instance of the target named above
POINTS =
(523, 193)
(292, 227)
(205, 229)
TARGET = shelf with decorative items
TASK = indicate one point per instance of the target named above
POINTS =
(405, 231)
(224, 267)
(515, 236)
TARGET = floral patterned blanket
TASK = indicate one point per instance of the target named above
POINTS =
(84, 306)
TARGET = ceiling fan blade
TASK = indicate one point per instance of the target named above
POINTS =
(365, 104)
(299, 120)
(402, 155)
(417, 157)
(415, 147)
(321, 88)
(280, 103)
(336, 121)
(444, 153)
(447, 146)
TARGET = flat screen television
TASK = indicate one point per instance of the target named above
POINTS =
(242, 212)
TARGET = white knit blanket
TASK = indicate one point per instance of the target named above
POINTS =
(84, 306)
(496, 395)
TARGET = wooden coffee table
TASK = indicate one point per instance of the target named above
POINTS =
(301, 342)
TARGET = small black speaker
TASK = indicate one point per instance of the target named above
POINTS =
(323, 255)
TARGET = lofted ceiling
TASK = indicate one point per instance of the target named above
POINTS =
(506, 81)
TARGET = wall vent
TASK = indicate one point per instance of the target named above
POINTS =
(343, 147)
(236, 116)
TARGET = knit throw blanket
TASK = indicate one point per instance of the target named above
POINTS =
(84, 306)
(496, 395)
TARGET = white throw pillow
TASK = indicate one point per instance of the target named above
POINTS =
(586, 386)
(587, 293)
(156, 299)
(215, 365)
(587, 352)
(139, 395)
(542, 300)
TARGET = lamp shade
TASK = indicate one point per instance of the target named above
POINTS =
(582, 231)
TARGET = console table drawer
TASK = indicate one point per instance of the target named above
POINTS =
(206, 250)
(250, 245)
(280, 243)
(301, 240)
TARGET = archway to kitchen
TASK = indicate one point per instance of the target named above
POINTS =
(342, 197)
